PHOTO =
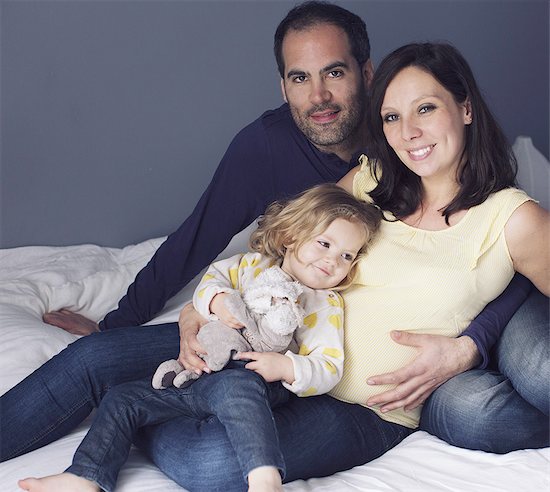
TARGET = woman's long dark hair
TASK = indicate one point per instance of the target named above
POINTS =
(489, 163)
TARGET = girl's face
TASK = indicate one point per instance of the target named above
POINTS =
(424, 124)
(325, 260)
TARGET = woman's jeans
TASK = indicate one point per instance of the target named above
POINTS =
(240, 399)
(318, 435)
(506, 407)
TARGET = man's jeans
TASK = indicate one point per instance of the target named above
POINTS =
(318, 435)
(240, 399)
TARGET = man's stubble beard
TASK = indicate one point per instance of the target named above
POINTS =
(349, 122)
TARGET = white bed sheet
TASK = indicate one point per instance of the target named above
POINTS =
(90, 279)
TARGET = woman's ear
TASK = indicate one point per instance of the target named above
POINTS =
(467, 112)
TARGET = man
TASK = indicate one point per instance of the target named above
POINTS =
(323, 56)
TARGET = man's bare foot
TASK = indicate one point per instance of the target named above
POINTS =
(64, 482)
(265, 479)
(72, 322)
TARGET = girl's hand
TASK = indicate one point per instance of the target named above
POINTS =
(218, 307)
(272, 366)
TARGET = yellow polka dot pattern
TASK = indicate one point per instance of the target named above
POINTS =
(309, 392)
(311, 320)
(335, 320)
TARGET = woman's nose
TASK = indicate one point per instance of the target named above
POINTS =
(409, 129)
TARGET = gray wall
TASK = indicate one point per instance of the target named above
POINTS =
(114, 114)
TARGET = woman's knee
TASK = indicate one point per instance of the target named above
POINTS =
(523, 351)
(481, 410)
(457, 410)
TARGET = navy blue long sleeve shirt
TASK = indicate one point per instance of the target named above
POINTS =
(267, 160)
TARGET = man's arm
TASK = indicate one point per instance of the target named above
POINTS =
(237, 194)
(440, 358)
(190, 322)
(234, 198)
(486, 328)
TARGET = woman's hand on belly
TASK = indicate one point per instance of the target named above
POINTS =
(439, 359)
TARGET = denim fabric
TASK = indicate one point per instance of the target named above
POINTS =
(505, 408)
(240, 399)
(318, 436)
(58, 396)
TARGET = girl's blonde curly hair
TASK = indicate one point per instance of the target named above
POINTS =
(295, 221)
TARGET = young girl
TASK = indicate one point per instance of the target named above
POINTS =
(316, 239)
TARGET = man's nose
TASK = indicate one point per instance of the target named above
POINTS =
(319, 93)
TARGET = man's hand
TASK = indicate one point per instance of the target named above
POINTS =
(72, 322)
(190, 322)
(272, 366)
(439, 359)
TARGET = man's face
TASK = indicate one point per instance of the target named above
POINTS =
(324, 86)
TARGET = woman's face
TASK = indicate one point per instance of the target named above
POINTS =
(424, 125)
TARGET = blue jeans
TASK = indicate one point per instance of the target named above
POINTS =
(318, 435)
(507, 407)
(240, 399)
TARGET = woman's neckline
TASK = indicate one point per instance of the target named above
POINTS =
(416, 228)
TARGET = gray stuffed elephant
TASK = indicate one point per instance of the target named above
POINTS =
(270, 313)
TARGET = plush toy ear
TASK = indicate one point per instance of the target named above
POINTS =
(165, 374)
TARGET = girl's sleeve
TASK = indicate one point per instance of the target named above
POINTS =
(319, 363)
(221, 277)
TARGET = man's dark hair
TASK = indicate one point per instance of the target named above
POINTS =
(310, 14)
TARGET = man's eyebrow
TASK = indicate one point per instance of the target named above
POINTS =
(295, 73)
(332, 66)
(325, 69)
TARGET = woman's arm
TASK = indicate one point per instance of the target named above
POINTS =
(527, 234)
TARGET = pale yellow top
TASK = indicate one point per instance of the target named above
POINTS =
(421, 281)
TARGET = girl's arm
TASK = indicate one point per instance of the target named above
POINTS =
(319, 363)
(221, 277)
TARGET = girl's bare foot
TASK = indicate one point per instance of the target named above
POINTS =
(64, 482)
(265, 479)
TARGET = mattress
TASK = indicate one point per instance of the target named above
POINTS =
(90, 279)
